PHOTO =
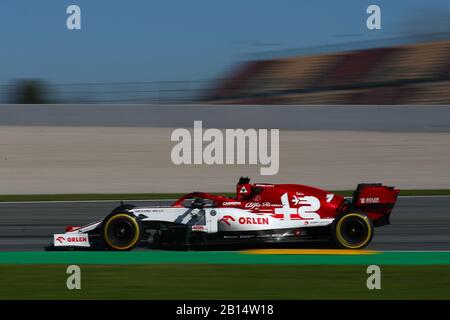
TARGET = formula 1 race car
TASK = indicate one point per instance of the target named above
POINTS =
(260, 213)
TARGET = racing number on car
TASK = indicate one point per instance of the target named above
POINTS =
(330, 197)
(309, 206)
(307, 209)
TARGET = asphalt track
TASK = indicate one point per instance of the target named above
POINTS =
(418, 223)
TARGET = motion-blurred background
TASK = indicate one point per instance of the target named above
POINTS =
(107, 97)
(257, 52)
(407, 74)
(399, 74)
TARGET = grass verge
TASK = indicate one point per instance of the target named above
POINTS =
(152, 196)
(224, 282)
(253, 257)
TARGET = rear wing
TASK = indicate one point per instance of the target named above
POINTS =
(376, 200)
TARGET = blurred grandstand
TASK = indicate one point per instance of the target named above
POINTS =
(409, 70)
(402, 74)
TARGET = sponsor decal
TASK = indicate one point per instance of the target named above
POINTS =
(75, 240)
(264, 185)
(226, 218)
(199, 228)
(370, 200)
(253, 205)
(245, 220)
(252, 220)
(243, 190)
(231, 203)
(147, 210)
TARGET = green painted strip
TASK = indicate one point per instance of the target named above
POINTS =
(214, 257)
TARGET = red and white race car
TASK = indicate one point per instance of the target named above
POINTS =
(260, 213)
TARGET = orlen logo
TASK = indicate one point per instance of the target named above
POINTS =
(226, 218)
(248, 220)
(76, 239)
(60, 239)
(71, 239)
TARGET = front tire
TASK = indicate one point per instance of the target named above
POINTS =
(352, 231)
(121, 231)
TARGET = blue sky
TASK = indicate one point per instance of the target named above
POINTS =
(147, 40)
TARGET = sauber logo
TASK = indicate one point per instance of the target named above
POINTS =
(370, 200)
(226, 218)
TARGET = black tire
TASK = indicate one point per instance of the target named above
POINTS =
(352, 230)
(121, 231)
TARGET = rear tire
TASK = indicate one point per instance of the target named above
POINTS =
(121, 231)
(352, 231)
